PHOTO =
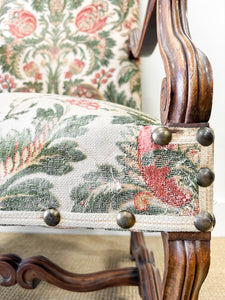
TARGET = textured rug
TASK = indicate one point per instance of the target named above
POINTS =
(85, 254)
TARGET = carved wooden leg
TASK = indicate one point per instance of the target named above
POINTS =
(187, 260)
(149, 277)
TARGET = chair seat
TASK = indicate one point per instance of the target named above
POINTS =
(90, 159)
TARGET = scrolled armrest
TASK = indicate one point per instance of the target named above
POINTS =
(142, 42)
(186, 96)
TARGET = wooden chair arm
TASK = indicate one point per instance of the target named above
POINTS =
(186, 95)
(142, 43)
(187, 90)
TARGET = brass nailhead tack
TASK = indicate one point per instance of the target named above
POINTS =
(205, 177)
(205, 136)
(51, 217)
(162, 136)
(204, 221)
(125, 219)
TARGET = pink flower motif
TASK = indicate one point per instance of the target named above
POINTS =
(68, 75)
(90, 105)
(32, 70)
(77, 66)
(83, 92)
(54, 51)
(22, 23)
(163, 188)
(38, 76)
(91, 18)
(6, 82)
(129, 23)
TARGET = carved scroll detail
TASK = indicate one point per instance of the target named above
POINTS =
(189, 81)
(8, 267)
(37, 268)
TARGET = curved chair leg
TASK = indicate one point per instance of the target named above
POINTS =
(149, 276)
(187, 260)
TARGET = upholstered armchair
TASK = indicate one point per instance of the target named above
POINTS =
(77, 152)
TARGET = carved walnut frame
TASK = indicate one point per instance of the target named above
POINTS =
(186, 100)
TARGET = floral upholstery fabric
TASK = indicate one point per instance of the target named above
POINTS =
(70, 47)
(90, 159)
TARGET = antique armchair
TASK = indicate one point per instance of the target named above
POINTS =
(69, 159)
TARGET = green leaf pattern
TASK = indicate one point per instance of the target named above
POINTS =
(89, 156)
(49, 148)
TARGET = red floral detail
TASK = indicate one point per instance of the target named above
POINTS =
(141, 200)
(102, 77)
(90, 105)
(38, 76)
(22, 24)
(68, 75)
(129, 23)
(145, 142)
(22, 158)
(54, 51)
(163, 188)
(76, 67)
(32, 70)
(83, 92)
(91, 18)
(7, 83)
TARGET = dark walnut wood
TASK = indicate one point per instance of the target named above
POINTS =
(187, 260)
(37, 268)
(150, 281)
(186, 94)
(8, 267)
(142, 42)
(187, 90)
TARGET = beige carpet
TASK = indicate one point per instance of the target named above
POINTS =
(84, 254)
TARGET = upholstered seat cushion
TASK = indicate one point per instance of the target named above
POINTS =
(90, 159)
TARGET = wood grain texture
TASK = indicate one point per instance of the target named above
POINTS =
(37, 268)
(8, 267)
(150, 281)
(186, 94)
(142, 42)
(187, 260)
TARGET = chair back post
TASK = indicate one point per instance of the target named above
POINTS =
(186, 94)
